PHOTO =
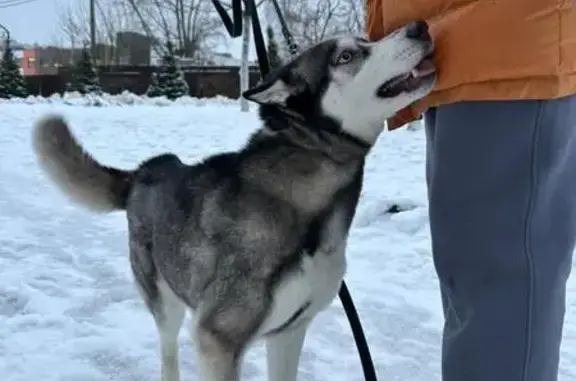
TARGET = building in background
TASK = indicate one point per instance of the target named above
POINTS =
(133, 49)
(46, 60)
(40, 60)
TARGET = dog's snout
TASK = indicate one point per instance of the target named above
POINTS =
(418, 30)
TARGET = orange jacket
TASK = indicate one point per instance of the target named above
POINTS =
(488, 49)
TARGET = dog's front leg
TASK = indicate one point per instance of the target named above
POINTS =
(283, 353)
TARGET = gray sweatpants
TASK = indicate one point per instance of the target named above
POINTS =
(502, 192)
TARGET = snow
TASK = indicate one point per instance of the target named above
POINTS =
(69, 310)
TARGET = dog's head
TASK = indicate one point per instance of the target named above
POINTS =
(352, 82)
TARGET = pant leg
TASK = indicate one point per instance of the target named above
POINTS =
(451, 324)
(502, 199)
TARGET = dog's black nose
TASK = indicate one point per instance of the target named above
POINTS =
(418, 30)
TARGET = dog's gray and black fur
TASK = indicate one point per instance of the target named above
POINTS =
(253, 242)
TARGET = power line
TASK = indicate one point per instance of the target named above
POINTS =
(14, 3)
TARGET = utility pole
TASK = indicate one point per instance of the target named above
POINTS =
(93, 29)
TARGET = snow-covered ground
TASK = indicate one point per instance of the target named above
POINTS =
(69, 311)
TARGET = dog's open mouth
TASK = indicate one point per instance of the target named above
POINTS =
(409, 81)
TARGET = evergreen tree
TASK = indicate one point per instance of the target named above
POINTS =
(11, 80)
(171, 79)
(85, 79)
(154, 90)
(273, 50)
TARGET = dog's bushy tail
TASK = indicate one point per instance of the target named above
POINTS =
(84, 180)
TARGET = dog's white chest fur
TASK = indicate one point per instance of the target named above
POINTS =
(316, 282)
(313, 286)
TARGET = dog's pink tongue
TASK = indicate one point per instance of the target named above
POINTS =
(424, 68)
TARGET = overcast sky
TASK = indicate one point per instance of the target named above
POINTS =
(37, 22)
(32, 22)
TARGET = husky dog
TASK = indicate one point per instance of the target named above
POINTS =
(253, 242)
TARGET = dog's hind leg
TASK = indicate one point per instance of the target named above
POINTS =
(283, 352)
(166, 308)
(169, 315)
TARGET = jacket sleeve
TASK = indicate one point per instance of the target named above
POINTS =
(374, 21)
(401, 118)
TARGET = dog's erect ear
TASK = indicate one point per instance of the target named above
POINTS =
(269, 92)
(273, 90)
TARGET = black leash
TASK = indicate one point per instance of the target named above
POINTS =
(288, 38)
(234, 28)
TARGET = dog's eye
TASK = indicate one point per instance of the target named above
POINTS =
(345, 57)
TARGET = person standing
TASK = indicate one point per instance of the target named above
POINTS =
(501, 177)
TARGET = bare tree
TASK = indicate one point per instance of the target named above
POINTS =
(112, 16)
(356, 19)
(73, 23)
(310, 21)
(192, 25)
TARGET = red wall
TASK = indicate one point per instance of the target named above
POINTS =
(29, 62)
